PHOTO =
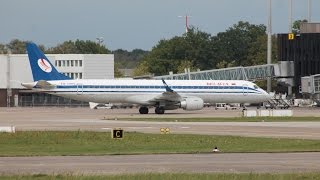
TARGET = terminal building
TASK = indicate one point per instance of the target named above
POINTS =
(15, 69)
(303, 51)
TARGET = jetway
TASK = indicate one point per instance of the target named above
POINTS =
(233, 73)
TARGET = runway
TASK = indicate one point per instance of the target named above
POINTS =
(162, 163)
(66, 119)
(61, 119)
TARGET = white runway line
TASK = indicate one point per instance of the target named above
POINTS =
(130, 128)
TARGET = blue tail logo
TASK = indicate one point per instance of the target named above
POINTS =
(41, 67)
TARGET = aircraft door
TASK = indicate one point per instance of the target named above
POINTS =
(79, 88)
(245, 89)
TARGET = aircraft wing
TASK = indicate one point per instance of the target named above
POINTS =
(168, 96)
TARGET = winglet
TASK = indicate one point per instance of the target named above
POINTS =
(168, 89)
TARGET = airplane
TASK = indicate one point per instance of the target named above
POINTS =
(162, 94)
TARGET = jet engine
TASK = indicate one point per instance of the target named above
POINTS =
(192, 103)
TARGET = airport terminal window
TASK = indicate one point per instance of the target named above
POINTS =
(71, 63)
(63, 63)
(80, 63)
(80, 75)
(76, 63)
(68, 63)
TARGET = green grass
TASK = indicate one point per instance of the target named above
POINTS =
(177, 176)
(100, 143)
(227, 119)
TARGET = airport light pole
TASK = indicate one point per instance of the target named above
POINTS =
(309, 11)
(290, 16)
(269, 51)
(9, 90)
(100, 41)
(186, 17)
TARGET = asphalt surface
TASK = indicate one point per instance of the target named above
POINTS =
(86, 119)
(57, 119)
(187, 163)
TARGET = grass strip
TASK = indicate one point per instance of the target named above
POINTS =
(177, 176)
(41, 143)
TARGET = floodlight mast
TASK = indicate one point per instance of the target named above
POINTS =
(187, 26)
(290, 16)
(269, 44)
(309, 11)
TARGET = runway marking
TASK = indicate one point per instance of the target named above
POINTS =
(130, 128)
(139, 127)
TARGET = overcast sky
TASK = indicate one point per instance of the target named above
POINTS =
(130, 24)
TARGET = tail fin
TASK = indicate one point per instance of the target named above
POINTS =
(41, 67)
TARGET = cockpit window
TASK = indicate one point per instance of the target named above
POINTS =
(255, 87)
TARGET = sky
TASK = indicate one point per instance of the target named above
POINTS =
(131, 24)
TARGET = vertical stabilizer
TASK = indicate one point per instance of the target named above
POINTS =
(41, 67)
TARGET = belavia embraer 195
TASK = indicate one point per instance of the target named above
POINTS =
(161, 94)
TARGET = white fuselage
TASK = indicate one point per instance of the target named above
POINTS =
(142, 91)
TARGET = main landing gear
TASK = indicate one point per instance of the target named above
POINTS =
(145, 110)
(159, 110)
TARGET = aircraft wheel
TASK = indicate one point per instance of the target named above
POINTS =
(159, 110)
(143, 110)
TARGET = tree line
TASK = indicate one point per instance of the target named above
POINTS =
(243, 44)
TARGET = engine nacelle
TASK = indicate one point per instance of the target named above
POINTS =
(192, 103)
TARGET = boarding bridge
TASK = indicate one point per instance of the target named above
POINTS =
(233, 73)
(310, 85)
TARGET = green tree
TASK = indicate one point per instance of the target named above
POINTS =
(258, 51)
(79, 47)
(184, 64)
(17, 46)
(172, 55)
(296, 25)
(3, 49)
(128, 59)
(142, 68)
(234, 44)
(117, 72)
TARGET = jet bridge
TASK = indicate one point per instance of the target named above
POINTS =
(233, 73)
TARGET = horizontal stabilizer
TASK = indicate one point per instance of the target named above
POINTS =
(44, 85)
